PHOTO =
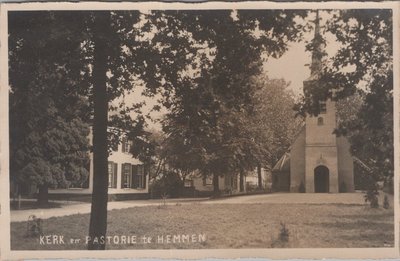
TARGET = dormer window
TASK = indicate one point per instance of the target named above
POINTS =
(322, 107)
(320, 121)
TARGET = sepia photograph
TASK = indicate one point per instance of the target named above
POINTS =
(237, 127)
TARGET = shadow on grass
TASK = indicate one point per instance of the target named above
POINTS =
(358, 224)
(380, 239)
(380, 216)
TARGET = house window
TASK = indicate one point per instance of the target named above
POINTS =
(188, 183)
(234, 182)
(133, 176)
(140, 178)
(320, 121)
(112, 174)
(114, 146)
(207, 181)
(322, 107)
(228, 181)
(126, 175)
(125, 145)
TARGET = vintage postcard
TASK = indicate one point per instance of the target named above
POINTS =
(199, 130)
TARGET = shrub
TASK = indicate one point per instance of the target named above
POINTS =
(169, 184)
(284, 233)
(388, 186)
(386, 203)
(34, 226)
(302, 188)
(371, 196)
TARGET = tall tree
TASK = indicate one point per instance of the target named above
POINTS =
(85, 53)
(101, 54)
(274, 120)
(101, 43)
(48, 136)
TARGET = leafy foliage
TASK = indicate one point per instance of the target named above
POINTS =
(371, 196)
(210, 103)
(274, 119)
(48, 134)
(168, 184)
(386, 203)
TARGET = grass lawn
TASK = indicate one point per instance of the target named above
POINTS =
(227, 226)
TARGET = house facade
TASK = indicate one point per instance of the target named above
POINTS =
(127, 178)
(203, 186)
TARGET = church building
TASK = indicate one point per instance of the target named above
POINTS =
(317, 161)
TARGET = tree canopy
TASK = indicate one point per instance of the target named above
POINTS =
(48, 130)
(210, 101)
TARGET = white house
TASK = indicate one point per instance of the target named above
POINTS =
(203, 186)
(127, 178)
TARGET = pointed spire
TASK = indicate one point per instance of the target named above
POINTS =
(318, 46)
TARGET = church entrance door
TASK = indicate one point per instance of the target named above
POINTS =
(321, 179)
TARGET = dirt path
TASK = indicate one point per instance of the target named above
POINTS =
(276, 198)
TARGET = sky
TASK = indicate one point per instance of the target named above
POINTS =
(291, 66)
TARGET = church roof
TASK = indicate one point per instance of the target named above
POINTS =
(362, 164)
(283, 163)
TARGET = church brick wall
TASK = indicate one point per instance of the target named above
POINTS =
(321, 156)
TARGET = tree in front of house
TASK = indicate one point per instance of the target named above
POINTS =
(56, 58)
(48, 131)
(149, 149)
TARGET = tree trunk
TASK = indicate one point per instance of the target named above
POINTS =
(98, 214)
(216, 191)
(43, 196)
(260, 185)
(241, 181)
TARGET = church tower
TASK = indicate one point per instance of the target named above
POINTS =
(317, 160)
(321, 153)
(325, 168)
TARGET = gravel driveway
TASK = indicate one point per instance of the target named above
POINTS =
(275, 198)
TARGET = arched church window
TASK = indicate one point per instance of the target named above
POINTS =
(320, 121)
